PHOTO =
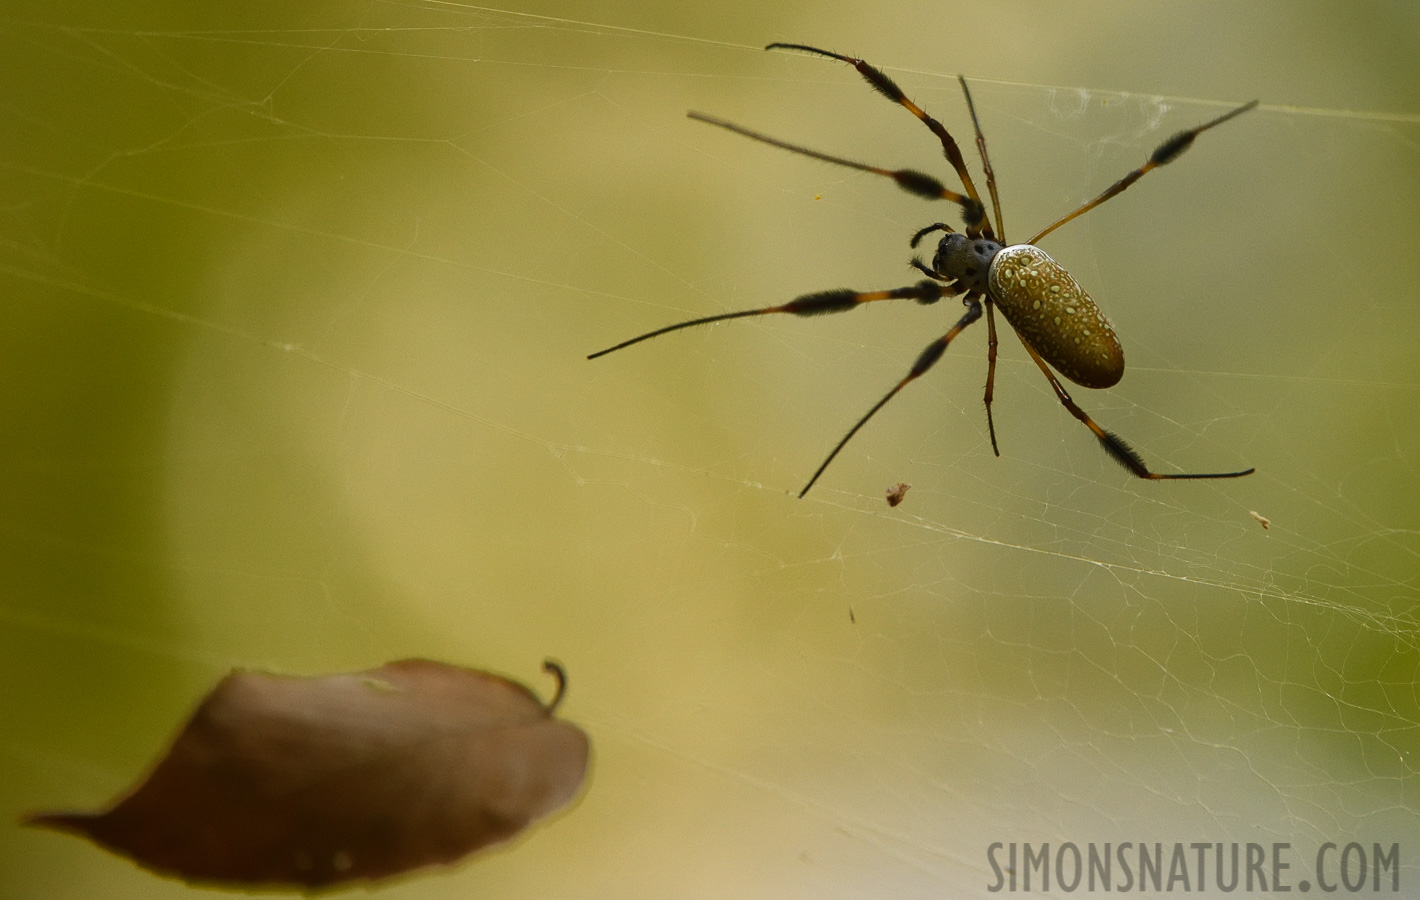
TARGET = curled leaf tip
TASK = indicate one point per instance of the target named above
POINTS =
(554, 668)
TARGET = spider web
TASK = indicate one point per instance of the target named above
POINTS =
(300, 301)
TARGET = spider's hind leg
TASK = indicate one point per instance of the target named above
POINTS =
(1112, 443)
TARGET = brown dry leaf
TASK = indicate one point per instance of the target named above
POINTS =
(314, 782)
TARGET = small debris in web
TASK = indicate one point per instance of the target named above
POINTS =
(852, 618)
(899, 490)
(1261, 519)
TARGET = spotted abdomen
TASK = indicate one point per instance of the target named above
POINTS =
(1052, 313)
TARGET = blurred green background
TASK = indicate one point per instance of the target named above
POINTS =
(300, 297)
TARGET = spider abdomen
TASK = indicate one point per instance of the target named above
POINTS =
(1054, 315)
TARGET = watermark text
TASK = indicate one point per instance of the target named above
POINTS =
(1195, 867)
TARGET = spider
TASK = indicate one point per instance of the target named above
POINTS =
(1055, 319)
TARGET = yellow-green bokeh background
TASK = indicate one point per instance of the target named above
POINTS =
(298, 299)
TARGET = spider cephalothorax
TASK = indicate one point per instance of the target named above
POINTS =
(967, 261)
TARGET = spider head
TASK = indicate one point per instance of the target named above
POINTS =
(967, 260)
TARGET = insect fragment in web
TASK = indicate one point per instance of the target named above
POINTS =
(1058, 323)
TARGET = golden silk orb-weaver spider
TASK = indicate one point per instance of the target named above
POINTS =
(1055, 319)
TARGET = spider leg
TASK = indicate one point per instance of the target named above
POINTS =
(1163, 154)
(991, 371)
(925, 361)
(985, 165)
(976, 213)
(910, 180)
(816, 304)
(1113, 444)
